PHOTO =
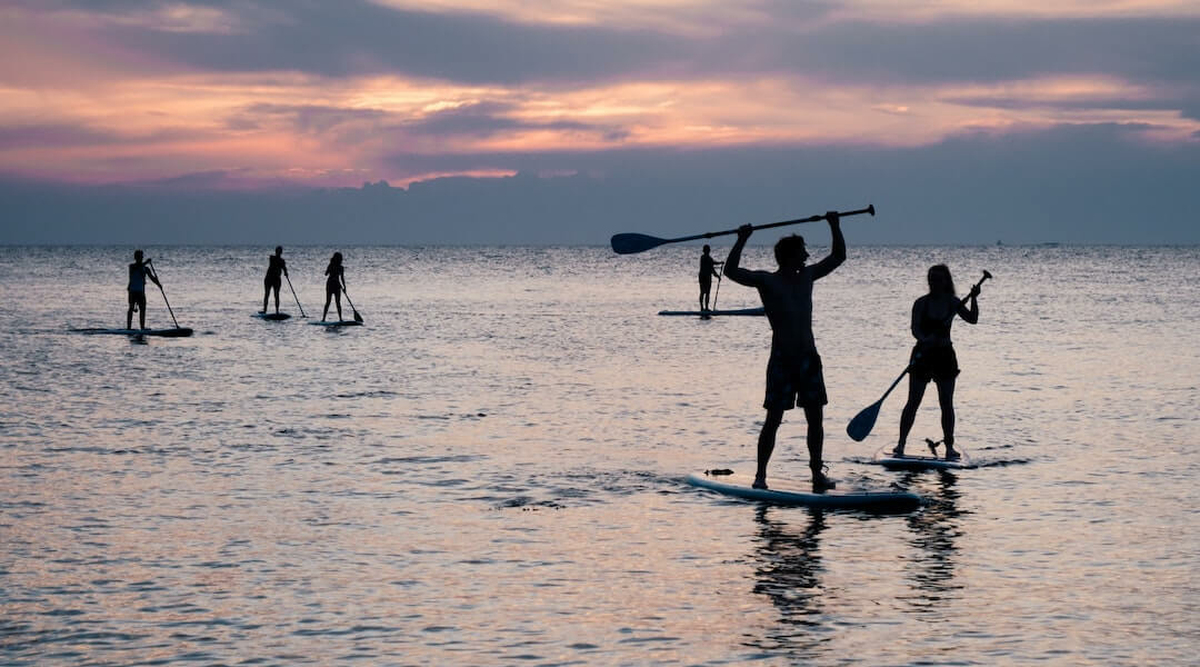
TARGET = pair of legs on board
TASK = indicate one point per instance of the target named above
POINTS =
(336, 296)
(814, 415)
(916, 392)
(267, 287)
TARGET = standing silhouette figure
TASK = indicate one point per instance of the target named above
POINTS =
(139, 271)
(335, 282)
(794, 371)
(276, 268)
(933, 357)
(708, 270)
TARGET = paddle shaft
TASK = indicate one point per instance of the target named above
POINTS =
(289, 282)
(357, 317)
(633, 243)
(164, 294)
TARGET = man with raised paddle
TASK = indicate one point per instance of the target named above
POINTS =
(794, 371)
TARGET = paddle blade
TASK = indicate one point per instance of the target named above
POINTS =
(860, 427)
(357, 317)
(627, 244)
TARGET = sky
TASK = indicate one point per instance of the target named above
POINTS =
(509, 121)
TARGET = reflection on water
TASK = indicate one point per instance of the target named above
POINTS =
(932, 567)
(787, 570)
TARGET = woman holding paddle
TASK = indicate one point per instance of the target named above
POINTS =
(933, 356)
(335, 283)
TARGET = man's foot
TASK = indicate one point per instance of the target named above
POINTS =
(263, 311)
(952, 454)
(759, 483)
(821, 483)
(898, 451)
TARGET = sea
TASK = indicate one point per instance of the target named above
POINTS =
(491, 470)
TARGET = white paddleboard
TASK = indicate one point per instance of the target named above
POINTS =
(337, 323)
(885, 458)
(715, 313)
(177, 332)
(275, 317)
(790, 493)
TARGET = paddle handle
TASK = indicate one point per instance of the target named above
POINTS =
(812, 218)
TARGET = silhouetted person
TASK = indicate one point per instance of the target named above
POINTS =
(933, 356)
(335, 282)
(794, 370)
(276, 268)
(708, 269)
(138, 272)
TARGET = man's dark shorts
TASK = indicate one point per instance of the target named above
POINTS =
(137, 299)
(272, 282)
(797, 381)
(705, 284)
(937, 363)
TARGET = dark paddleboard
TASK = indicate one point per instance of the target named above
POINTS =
(715, 313)
(275, 317)
(178, 332)
(337, 323)
(783, 492)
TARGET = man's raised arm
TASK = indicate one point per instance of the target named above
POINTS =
(732, 261)
(835, 258)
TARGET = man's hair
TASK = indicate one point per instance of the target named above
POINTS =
(787, 248)
(278, 249)
(706, 248)
(137, 254)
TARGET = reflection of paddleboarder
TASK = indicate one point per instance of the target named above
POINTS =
(335, 282)
(138, 272)
(276, 268)
(708, 270)
(794, 370)
(933, 356)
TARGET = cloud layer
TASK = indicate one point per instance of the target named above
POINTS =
(316, 94)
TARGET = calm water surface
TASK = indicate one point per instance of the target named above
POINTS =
(490, 471)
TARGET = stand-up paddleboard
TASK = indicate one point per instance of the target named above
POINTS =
(715, 313)
(337, 323)
(739, 486)
(275, 317)
(177, 332)
(885, 458)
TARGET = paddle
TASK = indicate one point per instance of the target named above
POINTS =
(860, 427)
(164, 293)
(357, 317)
(627, 244)
(289, 281)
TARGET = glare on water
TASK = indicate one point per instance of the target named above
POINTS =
(491, 469)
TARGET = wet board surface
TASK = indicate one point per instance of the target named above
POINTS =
(338, 323)
(166, 333)
(715, 313)
(790, 492)
(926, 461)
(274, 317)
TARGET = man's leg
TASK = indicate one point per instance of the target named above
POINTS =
(142, 311)
(815, 416)
(129, 314)
(916, 391)
(766, 445)
(276, 288)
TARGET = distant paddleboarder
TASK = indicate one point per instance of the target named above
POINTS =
(138, 272)
(335, 283)
(708, 270)
(794, 371)
(276, 268)
(933, 356)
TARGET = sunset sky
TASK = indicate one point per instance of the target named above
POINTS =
(247, 96)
